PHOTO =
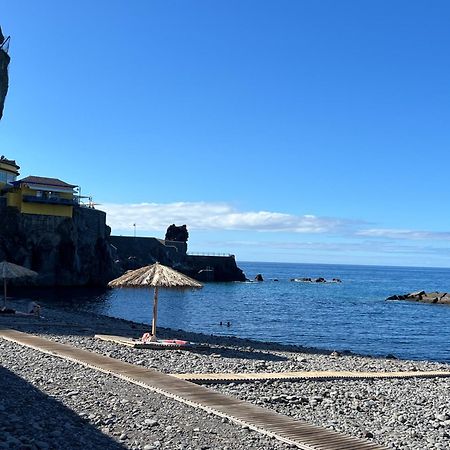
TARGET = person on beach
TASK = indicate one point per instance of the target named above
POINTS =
(34, 308)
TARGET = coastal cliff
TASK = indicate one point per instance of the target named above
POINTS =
(79, 251)
(4, 62)
(64, 251)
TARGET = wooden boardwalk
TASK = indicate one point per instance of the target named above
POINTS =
(265, 421)
(213, 378)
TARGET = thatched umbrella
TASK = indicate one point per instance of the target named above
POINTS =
(157, 276)
(9, 270)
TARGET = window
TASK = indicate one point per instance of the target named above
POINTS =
(10, 177)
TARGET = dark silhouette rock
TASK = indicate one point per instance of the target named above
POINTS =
(4, 62)
(320, 280)
(259, 277)
(178, 234)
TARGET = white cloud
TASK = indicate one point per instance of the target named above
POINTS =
(355, 246)
(156, 217)
(390, 233)
(213, 216)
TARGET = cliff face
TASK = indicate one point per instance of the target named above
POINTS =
(64, 251)
(4, 61)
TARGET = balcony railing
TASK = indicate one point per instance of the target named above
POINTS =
(49, 200)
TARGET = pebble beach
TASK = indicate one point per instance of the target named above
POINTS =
(51, 403)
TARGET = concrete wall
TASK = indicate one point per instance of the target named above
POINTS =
(135, 252)
(224, 268)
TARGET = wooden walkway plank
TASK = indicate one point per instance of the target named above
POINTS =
(211, 378)
(265, 421)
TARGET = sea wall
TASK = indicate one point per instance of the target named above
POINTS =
(223, 268)
(134, 252)
(64, 251)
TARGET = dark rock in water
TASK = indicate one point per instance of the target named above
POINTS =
(259, 277)
(177, 234)
(423, 297)
(416, 294)
(315, 280)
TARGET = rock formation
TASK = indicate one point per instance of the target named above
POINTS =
(316, 280)
(178, 234)
(64, 251)
(4, 62)
(424, 297)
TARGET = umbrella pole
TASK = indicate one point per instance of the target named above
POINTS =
(4, 292)
(155, 313)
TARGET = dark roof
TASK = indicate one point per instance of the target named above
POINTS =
(11, 162)
(45, 181)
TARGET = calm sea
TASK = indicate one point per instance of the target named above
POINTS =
(352, 315)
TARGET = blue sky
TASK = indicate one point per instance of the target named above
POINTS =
(303, 131)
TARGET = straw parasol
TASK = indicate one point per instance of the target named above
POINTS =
(9, 270)
(157, 276)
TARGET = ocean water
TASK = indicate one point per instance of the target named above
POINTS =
(352, 315)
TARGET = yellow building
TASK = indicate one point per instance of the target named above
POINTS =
(39, 195)
(36, 195)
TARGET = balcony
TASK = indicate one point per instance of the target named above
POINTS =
(49, 200)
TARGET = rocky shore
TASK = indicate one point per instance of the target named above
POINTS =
(50, 403)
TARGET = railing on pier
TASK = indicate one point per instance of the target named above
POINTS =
(224, 255)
